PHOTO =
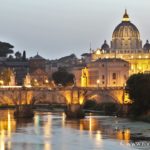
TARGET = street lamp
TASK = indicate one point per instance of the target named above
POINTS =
(46, 81)
(98, 81)
(1, 82)
(35, 82)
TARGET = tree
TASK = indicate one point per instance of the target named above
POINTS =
(18, 55)
(63, 77)
(10, 57)
(5, 49)
(24, 55)
(138, 88)
(5, 76)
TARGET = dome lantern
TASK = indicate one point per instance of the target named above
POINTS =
(125, 17)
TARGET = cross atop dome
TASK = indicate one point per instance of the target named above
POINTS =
(126, 17)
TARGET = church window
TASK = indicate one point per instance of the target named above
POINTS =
(114, 76)
(103, 77)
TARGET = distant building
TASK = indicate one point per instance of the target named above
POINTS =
(37, 69)
(102, 73)
(127, 45)
(51, 67)
(112, 64)
(78, 72)
(108, 73)
(39, 78)
(37, 62)
(19, 67)
(66, 62)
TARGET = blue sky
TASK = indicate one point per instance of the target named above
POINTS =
(56, 28)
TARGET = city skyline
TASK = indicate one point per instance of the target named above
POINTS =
(55, 29)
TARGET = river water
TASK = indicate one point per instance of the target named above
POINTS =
(51, 131)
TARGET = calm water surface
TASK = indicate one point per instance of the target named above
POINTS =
(51, 131)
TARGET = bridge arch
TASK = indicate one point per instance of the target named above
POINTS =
(104, 96)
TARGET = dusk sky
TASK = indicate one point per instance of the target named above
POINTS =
(56, 28)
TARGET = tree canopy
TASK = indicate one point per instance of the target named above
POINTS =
(24, 55)
(5, 49)
(138, 88)
(18, 55)
(5, 75)
(63, 77)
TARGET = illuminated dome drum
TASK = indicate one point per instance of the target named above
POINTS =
(126, 36)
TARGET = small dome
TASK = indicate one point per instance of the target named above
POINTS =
(146, 46)
(37, 56)
(105, 46)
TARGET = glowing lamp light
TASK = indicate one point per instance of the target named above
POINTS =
(140, 67)
(98, 81)
(1, 82)
(81, 100)
(46, 81)
(98, 52)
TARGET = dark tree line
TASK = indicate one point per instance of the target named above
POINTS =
(138, 88)
(5, 49)
(63, 77)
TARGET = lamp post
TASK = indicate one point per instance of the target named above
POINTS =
(74, 82)
(123, 98)
(1, 82)
(98, 81)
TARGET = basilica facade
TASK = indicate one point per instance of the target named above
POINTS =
(127, 45)
(125, 55)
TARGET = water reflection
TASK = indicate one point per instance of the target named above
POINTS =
(124, 135)
(95, 128)
(47, 133)
(7, 126)
(99, 140)
(51, 131)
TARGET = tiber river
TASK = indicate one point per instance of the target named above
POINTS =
(51, 131)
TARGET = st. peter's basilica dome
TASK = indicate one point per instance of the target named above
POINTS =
(126, 36)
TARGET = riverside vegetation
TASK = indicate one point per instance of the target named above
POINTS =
(138, 88)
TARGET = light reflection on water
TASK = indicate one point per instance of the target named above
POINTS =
(7, 126)
(51, 131)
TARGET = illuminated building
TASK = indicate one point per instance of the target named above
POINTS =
(126, 45)
(112, 72)
(37, 68)
(39, 77)
(108, 73)
(37, 62)
(27, 80)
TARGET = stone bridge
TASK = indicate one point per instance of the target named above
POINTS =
(75, 95)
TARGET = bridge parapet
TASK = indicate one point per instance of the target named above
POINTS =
(76, 95)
